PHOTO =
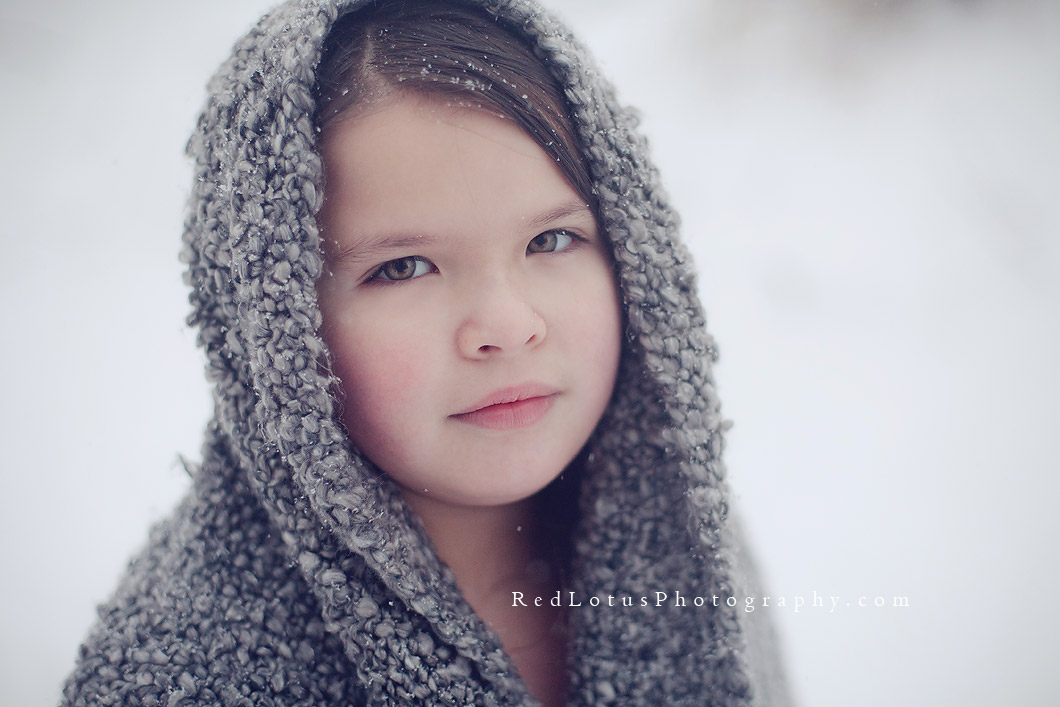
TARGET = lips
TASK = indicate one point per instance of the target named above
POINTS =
(510, 408)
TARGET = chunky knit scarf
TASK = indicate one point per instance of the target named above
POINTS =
(293, 574)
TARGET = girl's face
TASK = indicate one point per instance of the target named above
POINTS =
(468, 301)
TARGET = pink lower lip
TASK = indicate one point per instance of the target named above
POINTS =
(509, 416)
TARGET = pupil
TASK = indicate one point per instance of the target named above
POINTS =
(545, 241)
(401, 269)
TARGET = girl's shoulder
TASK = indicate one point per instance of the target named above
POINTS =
(211, 612)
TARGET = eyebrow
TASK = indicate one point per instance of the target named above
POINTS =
(570, 208)
(371, 246)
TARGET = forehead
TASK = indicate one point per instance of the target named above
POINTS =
(424, 163)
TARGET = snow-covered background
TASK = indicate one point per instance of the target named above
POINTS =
(872, 191)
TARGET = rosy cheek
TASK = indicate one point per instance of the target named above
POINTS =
(601, 324)
(380, 380)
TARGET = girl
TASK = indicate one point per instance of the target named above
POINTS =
(466, 447)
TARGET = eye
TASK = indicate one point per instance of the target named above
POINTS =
(550, 242)
(400, 269)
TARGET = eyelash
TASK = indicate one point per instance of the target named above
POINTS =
(416, 260)
(376, 277)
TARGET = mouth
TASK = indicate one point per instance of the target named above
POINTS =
(510, 408)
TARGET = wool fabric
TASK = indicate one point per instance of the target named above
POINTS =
(294, 574)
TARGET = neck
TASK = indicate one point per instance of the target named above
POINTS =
(492, 550)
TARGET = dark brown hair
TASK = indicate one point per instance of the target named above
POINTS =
(450, 50)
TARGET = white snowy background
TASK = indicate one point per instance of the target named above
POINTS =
(872, 191)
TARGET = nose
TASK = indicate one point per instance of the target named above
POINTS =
(500, 321)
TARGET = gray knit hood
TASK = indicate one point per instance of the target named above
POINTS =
(294, 573)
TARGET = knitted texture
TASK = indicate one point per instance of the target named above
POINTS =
(294, 574)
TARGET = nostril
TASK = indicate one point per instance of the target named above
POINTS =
(496, 330)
